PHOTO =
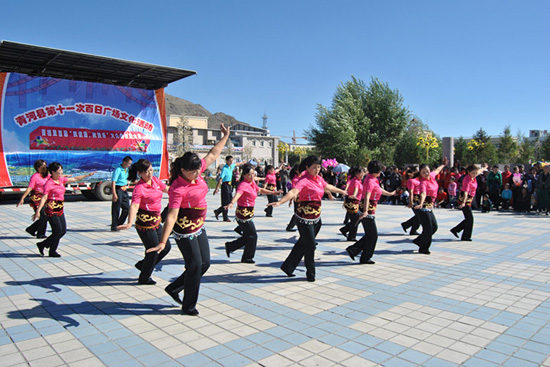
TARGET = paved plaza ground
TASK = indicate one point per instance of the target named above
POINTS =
(480, 303)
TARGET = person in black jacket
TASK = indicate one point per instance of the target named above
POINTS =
(543, 190)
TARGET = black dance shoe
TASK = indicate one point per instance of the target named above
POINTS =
(148, 282)
(248, 261)
(175, 296)
(139, 265)
(455, 233)
(227, 250)
(343, 232)
(40, 248)
(30, 232)
(216, 214)
(54, 254)
(289, 229)
(310, 279)
(404, 228)
(41, 236)
(350, 253)
(369, 261)
(192, 312)
(288, 273)
(466, 239)
(425, 252)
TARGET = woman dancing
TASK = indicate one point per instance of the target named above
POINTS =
(54, 201)
(428, 193)
(354, 189)
(467, 193)
(294, 176)
(36, 191)
(309, 189)
(371, 194)
(185, 219)
(271, 185)
(247, 191)
(413, 187)
(145, 211)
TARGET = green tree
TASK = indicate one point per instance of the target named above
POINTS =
(545, 149)
(363, 123)
(462, 154)
(508, 148)
(410, 151)
(526, 148)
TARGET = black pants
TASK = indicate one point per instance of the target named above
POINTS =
(269, 209)
(305, 247)
(467, 225)
(367, 243)
(59, 228)
(39, 226)
(248, 240)
(429, 227)
(151, 238)
(413, 223)
(293, 219)
(119, 208)
(495, 198)
(351, 227)
(226, 195)
(196, 255)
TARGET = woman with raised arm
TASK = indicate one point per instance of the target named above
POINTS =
(371, 194)
(36, 191)
(309, 189)
(185, 220)
(247, 191)
(54, 202)
(464, 201)
(428, 194)
(145, 211)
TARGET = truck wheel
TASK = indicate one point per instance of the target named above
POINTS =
(89, 194)
(103, 191)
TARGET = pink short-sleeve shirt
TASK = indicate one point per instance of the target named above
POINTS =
(54, 190)
(469, 185)
(184, 194)
(149, 196)
(37, 182)
(355, 183)
(311, 188)
(429, 186)
(249, 192)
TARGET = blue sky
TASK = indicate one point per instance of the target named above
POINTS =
(459, 65)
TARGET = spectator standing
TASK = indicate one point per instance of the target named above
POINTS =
(226, 178)
(494, 185)
(543, 190)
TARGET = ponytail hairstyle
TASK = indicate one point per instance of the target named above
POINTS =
(54, 166)
(294, 171)
(38, 165)
(141, 165)
(268, 167)
(245, 170)
(353, 171)
(308, 162)
(188, 162)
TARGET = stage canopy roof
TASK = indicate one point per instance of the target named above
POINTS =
(49, 62)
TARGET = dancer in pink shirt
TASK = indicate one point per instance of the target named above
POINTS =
(36, 191)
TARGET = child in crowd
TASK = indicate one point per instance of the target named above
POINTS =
(486, 204)
(451, 189)
(506, 197)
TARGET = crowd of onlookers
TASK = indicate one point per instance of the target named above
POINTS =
(513, 188)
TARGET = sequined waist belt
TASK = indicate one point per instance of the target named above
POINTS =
(308, 209)
(54, 208)
(270, 187)
(34, 199)
(462, 200)
(351, 205)
(189, 220)
(428, 202)
(244, 213)
(147, 220)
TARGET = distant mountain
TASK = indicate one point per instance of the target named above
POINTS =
(179, 106)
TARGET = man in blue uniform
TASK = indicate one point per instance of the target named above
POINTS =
(226, 176)
(120, 196)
